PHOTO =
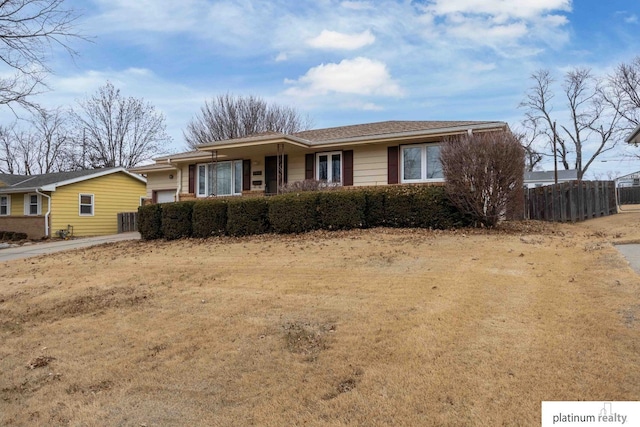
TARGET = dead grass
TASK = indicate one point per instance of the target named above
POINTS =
(375, 327)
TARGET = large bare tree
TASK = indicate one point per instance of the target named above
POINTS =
(44, 145)
(119, 131)
(584, 127)
(228, 117)
(623, 91)
(29, 29)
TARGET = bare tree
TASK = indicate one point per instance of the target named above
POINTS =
(228, 117)
(590, 121)
(484, 175)
(44, 146)
(528, 138)
(119, 131)
(28, 30)
(623, 91)
(9, 161)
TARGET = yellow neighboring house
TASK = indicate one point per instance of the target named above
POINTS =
(85, 201)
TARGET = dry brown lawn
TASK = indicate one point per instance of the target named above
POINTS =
(371, 327)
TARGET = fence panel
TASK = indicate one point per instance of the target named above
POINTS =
(127, 221)
(629, 195)
(571, 201)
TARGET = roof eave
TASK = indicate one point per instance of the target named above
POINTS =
(298, 142)
(453, 130)
(634, 138)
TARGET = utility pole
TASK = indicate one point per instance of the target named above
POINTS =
(555, 155)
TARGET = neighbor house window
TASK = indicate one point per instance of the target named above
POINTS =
(32, 204)
(5, 205)
(329, 167)
(421, 163)
(86, 204)
(220, 179)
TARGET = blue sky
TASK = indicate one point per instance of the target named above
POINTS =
(343, 62)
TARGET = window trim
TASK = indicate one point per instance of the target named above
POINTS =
(80, 204)
(27, 204)
(7, 197)
(207, 173)
(423, 163)
(329, 169)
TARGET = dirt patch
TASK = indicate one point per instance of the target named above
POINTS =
(93, 301)
(307, 338)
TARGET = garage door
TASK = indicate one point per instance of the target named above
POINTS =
(165, 196)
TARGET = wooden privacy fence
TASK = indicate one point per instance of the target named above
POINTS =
(127, 221)
(571, 201)
(629, 195)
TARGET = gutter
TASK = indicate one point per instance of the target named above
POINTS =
(46, 216)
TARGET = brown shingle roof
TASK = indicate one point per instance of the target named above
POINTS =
(379, 129)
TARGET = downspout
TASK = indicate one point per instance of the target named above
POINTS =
(179, 178)
(46, 216)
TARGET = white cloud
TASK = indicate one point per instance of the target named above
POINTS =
(359, 76)
(357, 5)
(631, 19)
(335, 40)
(509, 28)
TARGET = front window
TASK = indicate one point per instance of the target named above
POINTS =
(421, 163)
(329, 167)
(5, 205)
(86, 204)
(220, 179)
(32, 204)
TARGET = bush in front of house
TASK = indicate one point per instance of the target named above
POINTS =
(398, 207)
(247, 216)
(176, 220)
(150, 221)
(17, 236)
(209, 218)
(341, 210)
(432, 208)
(484, 175)
(294, 212)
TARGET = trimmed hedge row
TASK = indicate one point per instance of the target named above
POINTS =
(401, 206)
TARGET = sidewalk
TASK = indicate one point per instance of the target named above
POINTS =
(36, 249)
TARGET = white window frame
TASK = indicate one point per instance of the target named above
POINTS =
(329, 180)
(6, 197)
(207, 174)
(80, 204)
(27, 204)
(423, 164)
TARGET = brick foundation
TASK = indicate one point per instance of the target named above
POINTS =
(32, 225)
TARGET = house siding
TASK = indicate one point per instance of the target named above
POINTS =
(160, 181)
(112, 194)
(17, 205)
(370, 165)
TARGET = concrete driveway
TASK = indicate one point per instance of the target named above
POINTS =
(26, 251)
(632, 253)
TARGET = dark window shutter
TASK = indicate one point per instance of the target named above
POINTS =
(347, 167)
(246, 175)
(192, 179)
(309, 162)
(154, 196)
(393, 161)
(286, 168)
